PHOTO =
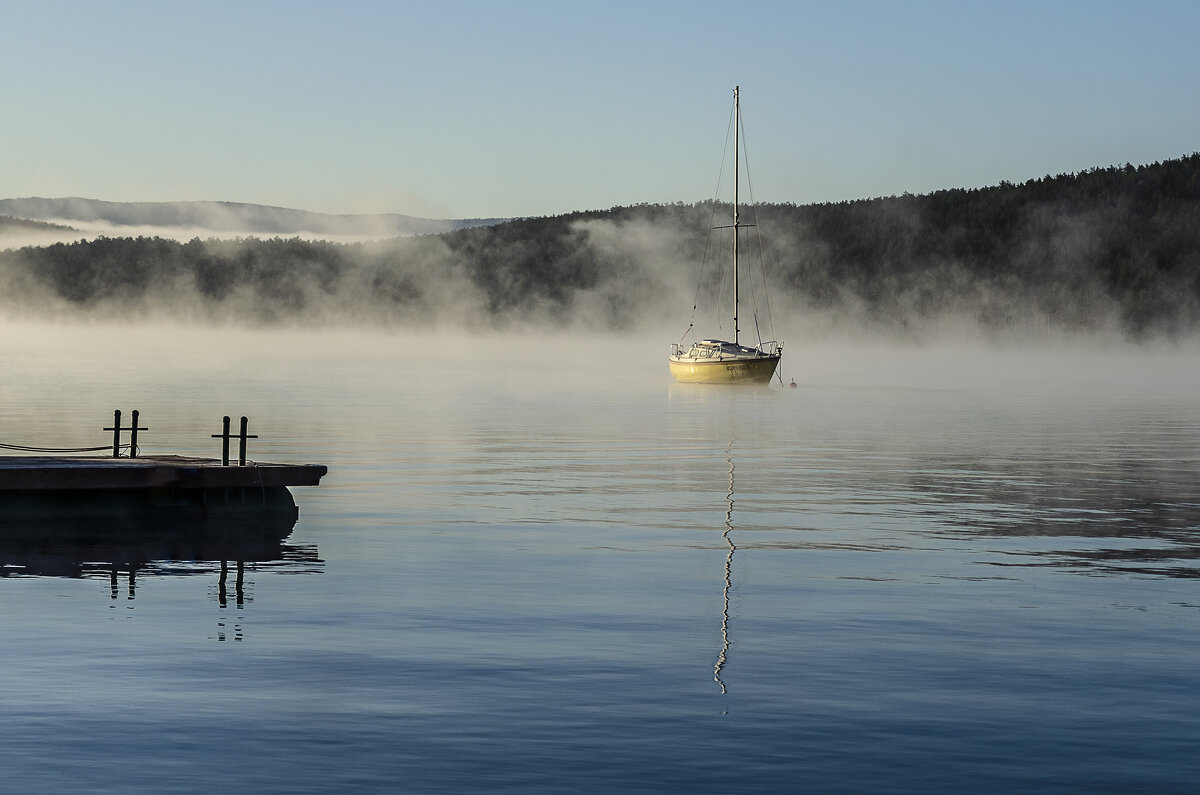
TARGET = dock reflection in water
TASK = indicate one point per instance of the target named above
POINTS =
(99, 548)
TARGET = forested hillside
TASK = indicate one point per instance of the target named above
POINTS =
(1115, 249)
(8, 223)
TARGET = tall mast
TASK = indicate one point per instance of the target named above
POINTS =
(737, 126)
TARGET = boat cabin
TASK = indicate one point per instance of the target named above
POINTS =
(717, 349)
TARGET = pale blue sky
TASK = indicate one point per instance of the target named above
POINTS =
(471, 109)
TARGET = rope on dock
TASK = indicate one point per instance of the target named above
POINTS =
(28, 449)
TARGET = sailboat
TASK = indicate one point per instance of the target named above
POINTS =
(715, 361)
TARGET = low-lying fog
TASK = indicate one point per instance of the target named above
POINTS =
(553, 360)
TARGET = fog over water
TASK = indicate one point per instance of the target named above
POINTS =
(532, 357)
(538, 564)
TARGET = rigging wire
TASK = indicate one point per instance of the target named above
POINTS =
(712, 225)
(762, 269)
(759, 288)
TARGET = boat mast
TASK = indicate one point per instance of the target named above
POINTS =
(737, 126)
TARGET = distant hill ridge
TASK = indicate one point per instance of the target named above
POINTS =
(252, 219)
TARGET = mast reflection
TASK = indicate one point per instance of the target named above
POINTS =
(722, 656)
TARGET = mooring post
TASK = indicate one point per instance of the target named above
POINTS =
(224, 437)
(133, 429)
(242, 437)
(116, 429)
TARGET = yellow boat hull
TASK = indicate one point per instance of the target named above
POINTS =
(756, 370)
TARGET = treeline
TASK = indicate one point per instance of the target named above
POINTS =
(246, 281)
(1115, 245)
(10, 224)
(1107, 249)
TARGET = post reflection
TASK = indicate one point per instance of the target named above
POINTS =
(114, 584)
(239, 588)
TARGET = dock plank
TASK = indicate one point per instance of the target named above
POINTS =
(65, 473)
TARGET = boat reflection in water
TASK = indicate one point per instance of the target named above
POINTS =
(112, 548)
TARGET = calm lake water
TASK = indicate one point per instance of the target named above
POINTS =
(542, 566)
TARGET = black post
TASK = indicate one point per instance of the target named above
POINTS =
(225, 441)
(133, 429)
(242, 437)
(225, 436)
(116, 429)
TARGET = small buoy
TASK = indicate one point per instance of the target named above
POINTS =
(793, 384)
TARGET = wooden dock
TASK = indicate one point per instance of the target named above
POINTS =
(90, 493)
(156, 487)
(19, 473)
